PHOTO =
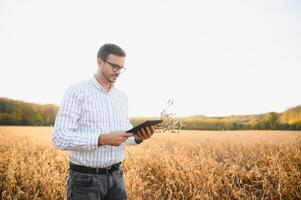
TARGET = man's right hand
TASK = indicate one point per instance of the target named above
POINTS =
(113, 139)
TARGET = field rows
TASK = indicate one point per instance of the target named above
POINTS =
(189, 165)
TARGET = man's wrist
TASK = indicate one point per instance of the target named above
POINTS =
(138, 140)
(100, 140)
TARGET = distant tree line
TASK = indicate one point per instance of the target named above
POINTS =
(13, 112)
(287, 120)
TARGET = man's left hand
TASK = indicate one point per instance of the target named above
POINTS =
(145, 133)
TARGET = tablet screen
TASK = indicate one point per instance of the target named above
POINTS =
(145, 124)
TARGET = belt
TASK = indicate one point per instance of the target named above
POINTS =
(92, 170)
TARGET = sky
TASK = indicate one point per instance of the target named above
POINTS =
(213, 58)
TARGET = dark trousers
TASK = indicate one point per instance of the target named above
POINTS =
(82, 186)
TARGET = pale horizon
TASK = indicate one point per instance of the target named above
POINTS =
(213, 58)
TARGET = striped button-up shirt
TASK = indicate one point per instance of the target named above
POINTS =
(87, 111)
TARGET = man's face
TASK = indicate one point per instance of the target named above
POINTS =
(111, 67)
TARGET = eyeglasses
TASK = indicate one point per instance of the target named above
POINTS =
(116, 67)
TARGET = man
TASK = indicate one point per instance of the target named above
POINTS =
(91, 125)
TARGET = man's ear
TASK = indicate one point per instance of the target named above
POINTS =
(99, 61)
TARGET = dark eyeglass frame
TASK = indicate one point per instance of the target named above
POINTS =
(115, 67)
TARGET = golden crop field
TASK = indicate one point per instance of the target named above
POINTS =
(189, 165)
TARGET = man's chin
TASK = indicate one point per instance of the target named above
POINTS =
(113, 80)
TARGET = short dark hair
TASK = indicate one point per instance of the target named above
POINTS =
(107, 49)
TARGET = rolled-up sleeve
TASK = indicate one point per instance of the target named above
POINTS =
(65, 135)
(130, 140)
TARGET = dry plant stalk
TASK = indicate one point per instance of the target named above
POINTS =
(170, 122)
(195, 165)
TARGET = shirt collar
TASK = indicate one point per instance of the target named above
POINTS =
(95, 82)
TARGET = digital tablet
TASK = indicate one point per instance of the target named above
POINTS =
(145, 124)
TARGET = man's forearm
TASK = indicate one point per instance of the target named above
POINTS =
(65, 139)
(113, 139)
(101, 139)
